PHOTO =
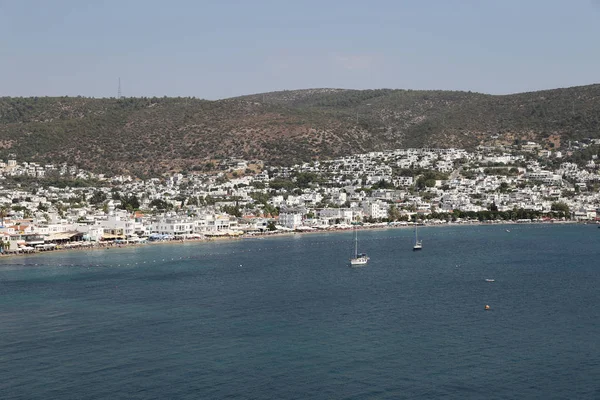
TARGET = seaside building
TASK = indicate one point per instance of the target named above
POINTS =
(290, 220)
(336, 215)
(176, 227)
(375, 209)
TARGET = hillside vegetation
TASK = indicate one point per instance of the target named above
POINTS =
(149, 136)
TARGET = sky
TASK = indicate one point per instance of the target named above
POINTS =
(218, 49)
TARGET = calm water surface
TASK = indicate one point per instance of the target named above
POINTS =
(286, 318)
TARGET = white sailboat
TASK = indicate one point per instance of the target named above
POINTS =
(418, 243)
(359, 258)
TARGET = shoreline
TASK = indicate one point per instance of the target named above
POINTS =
(103, 246)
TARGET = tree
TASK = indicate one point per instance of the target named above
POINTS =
(428, 179)
(130, 203)
(232, 210)
(560, 206)
(209, 200)
(268, 209)
(382, 184)
(304, 179)
(98, 197)
(271, 226)
(4, 210)
(282, 184)
(192, 201)
(394, 213)
(160, 204)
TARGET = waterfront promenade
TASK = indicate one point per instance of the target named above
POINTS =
(107, 245)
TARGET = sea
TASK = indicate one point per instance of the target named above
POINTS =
(288, 318)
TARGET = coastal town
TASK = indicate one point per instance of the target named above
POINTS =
(48, 207)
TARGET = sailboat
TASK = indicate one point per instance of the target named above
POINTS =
(359, 258)
(418, 243)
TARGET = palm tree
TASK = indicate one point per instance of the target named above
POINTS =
(4, 212)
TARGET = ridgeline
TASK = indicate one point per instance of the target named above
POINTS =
(150, 136)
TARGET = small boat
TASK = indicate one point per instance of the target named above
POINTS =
(507, 230)
(359, 258)
(418, 243)
(490, 280)
(487, 308)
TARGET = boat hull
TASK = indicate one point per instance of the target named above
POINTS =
(356, 262)
(418, 245)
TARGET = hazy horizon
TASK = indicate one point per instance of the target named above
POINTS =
(217, 50)
(301, 89)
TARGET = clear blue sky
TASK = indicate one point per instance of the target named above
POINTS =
(217, 49)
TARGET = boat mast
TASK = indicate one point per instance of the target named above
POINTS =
(416, 227)
(355, 243)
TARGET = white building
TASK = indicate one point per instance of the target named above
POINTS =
(375, 209)
(211, 223)
(119, 224)
(290, 220)
(344, 215)
(173, 226)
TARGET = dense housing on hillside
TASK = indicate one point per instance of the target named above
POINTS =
(52, 205)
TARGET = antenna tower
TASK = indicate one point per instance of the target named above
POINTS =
(119, 91)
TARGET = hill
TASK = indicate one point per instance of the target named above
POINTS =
(149, 136)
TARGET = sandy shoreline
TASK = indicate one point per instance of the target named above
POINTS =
(103, 246)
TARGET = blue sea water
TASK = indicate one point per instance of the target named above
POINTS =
(287, 318)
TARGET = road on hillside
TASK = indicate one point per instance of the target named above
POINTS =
(455, 173)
